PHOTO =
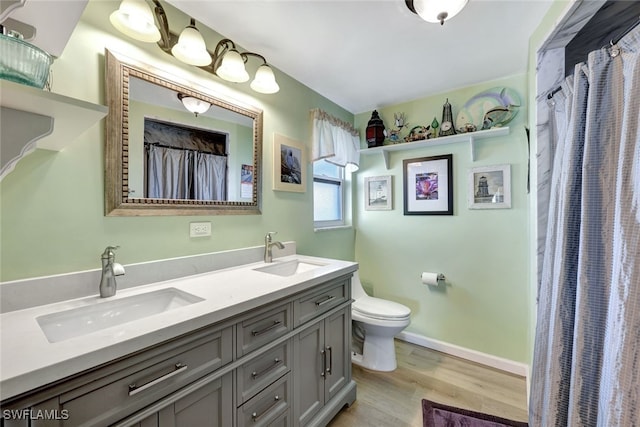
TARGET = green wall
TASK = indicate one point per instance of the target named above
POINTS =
(51, 205)
(484, 254)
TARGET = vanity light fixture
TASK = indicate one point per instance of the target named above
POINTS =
(436, 10)
(190, 48)
(135, 19)
(193, 104)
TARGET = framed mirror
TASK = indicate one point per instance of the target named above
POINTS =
(162, 159)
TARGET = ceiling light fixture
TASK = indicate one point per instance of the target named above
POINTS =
(436, 10)
(193, 104)
(135, 19)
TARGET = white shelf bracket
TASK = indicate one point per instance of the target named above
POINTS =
(385, 154)
(472, 147)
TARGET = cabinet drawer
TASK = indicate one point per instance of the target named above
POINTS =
(262, 328)
(268, 406)
(134, 386)
(318, 301)
(258, 373)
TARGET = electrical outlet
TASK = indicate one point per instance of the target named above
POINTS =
(199, 229)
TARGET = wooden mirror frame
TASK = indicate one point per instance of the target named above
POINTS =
(116, 193)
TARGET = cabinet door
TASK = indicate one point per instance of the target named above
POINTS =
(309, 373)
(209, 406)
(337, 347)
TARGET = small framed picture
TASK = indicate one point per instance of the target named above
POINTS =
(428, 185)
(289, 164)
(490, 187)
(378, 194)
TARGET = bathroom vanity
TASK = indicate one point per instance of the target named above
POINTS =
(253, 345)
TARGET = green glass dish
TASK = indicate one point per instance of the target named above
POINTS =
(22, 62)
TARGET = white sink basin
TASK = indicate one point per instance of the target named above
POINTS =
(288, 268)
(85, 320)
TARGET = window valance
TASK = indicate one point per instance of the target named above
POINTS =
(335, 140)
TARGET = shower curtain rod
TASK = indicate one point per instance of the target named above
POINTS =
(157, 144)
(611, 43)
(627, 31)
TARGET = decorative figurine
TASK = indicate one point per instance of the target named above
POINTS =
(417, 133)
(446, 127)
(400, 121)
(375, 132)
(434, 126)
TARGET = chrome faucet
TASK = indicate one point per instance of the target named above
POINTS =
(110, 269)
(268, 244)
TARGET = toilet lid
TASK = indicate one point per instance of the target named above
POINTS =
(380, 308)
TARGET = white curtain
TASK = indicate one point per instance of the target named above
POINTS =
(586, 368)
(335, 141)
(210, 177)
(185, 174)
(169, 173)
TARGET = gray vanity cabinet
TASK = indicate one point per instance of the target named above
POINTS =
(321, 354)
(207, 406)
(283, 364)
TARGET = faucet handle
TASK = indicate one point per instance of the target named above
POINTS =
(267, 237)
(108, 252)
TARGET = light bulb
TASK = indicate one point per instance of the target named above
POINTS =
(232, 68)
(191, 48)
(265, 81)
(134, 19)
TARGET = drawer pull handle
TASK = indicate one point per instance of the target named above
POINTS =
(326, 300)
(330, 368)
(177, 368)
(276, 323)
(276, 362)
(255, 417)
(324, 362)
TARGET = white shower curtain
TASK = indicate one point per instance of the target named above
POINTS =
(169, 173)
(586, 368)
(185, 174)
(210, 177)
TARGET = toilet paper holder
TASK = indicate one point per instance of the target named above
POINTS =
(432, 279)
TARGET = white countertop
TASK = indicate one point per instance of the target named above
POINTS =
(28, 360)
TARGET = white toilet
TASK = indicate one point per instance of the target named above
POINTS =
(379, 320)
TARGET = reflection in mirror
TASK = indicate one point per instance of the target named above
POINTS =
(162, 159)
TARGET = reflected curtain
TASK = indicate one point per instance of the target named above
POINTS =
(185, 174)
(335, 141)
(586, 367)
(210, 177)
(169, 173)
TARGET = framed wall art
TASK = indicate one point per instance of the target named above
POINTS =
(289, 164)
(378, 195)
(490, 187)
(428, 185)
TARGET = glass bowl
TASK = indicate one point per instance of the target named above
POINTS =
(23, 62)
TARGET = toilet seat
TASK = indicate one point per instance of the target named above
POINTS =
(376, 308)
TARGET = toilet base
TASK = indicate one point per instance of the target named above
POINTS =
(378, 354)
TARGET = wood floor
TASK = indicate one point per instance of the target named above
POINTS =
(394, 399)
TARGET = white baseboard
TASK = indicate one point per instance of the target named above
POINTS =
(496, 362)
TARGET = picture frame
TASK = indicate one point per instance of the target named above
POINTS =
(428, 185)
(378, 193)
(289, 164)
(490, 187)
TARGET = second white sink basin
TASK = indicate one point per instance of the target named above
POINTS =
(79, 321)
(288, 268)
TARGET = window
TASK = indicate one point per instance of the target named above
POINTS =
(328, 194)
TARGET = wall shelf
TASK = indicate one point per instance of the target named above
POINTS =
(32, 118)
(471, 137)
